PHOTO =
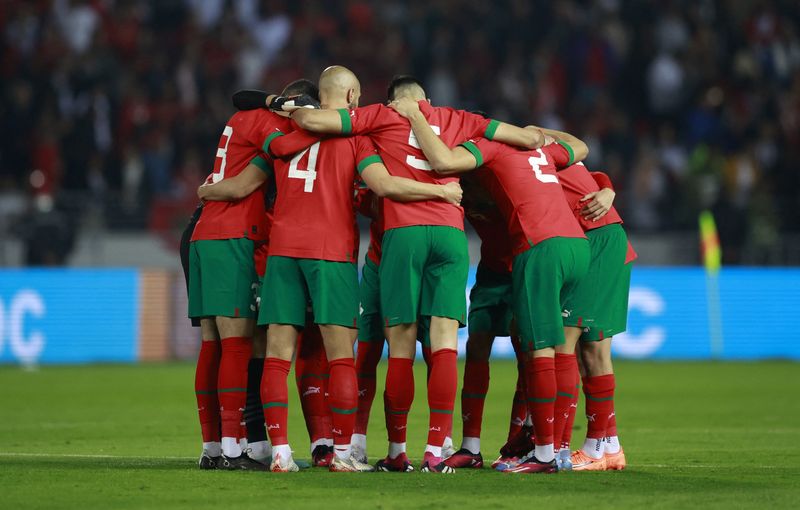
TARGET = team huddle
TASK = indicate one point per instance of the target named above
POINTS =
(271, 262)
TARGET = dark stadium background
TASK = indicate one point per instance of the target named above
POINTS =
(111, 111)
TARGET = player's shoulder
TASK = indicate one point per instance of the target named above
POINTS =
(259, 116)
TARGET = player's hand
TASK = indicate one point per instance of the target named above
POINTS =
(453, 193)
(598, 203)
(548, 140)
(292, 103)
(405, 106)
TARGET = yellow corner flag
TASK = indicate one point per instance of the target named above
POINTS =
(709, 242)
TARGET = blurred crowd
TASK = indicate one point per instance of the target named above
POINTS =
(116, 106)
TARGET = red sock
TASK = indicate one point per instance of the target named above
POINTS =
(205, 389)
(441, 394)
(541, 384)
(311, 376)
(232, 383)
(473, 396)
(275, 395)
(599, 391)
(343, 400)
(519, 406)
(369, 354)
(566, 436)
(611, 427)
(398, 396)
(566, 372)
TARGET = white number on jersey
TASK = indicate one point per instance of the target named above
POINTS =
(415, 162)
(535, 162)
(307, 174)
(222, 152)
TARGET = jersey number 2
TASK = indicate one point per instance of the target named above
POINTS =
(413, 161)
(308, 174)
(536, 162)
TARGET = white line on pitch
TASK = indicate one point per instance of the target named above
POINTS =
(89, 456)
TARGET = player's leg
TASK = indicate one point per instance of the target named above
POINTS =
(566, 365)
(609, 276)
(444, 300)
(333, 287)
(311, 376)
(283, 308)
(405, 251)
(540, 273)
(207, 370)
(205, 389)
(258, 445)
(370, 349)
(227, 285)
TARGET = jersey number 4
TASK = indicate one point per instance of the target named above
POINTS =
(537, 162)
(308, 174)
(413, 161)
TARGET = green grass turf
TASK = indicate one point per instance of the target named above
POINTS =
(708, 435)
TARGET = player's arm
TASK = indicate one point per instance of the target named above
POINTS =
(598, 203)
(250, 99)
(238, 187)
(529, 137)
(577, 148)
(400, 189)
(321, 121)
(441, 158)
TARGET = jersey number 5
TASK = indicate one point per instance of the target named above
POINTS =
(536, 162)
(413, 161)
(308, 174)
(222, 153)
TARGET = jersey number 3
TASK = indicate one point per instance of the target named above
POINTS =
(536, 162)
(308, 174)
(222, 153)
(413, 161)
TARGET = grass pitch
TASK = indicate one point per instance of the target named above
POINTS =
(708, 435)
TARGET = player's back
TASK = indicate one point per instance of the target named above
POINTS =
(314, 216)
(240, 142)
(489, 223)
(527, 191)
(577, 182)
(398, 146)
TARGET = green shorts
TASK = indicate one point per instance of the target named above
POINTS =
(370, 321)
(599, 301)
(423, 272)
(289, 284)
(544, 277)
(490, 303)
(222, 278)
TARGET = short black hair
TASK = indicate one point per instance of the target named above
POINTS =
(301, 86)
(399, 81)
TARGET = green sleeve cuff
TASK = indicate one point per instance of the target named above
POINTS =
(473, 149)
(347, 124)
(367, 162)
(268, 140)
(491, 129)
(569, 149)
(262, 164)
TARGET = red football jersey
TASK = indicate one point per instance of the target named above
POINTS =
(577, 182)
(402, 156)
(314, 216)
(371, 206)
(241, 141)
(487, 220)
(527, 191)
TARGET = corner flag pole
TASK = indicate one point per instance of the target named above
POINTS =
(712, 260)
